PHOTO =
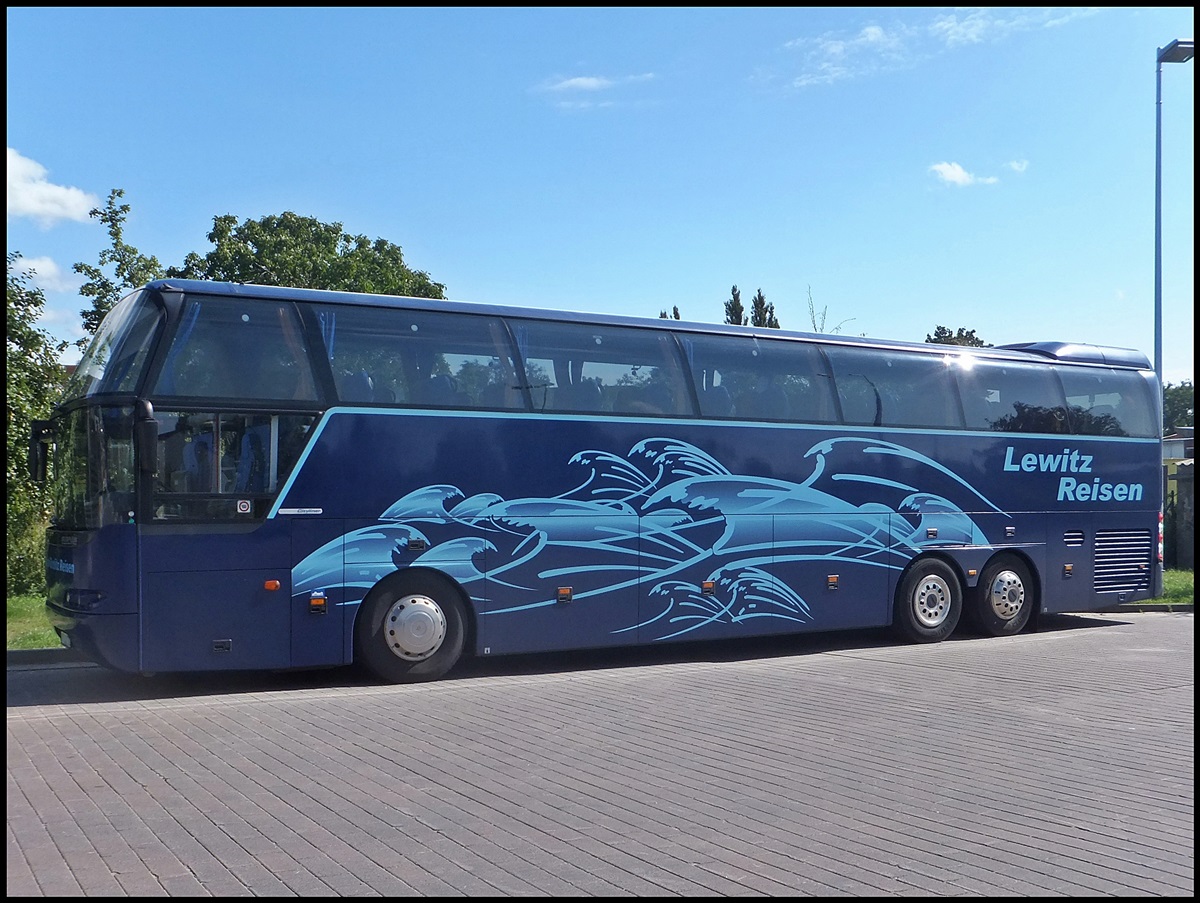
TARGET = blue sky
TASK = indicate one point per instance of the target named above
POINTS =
(990, 169)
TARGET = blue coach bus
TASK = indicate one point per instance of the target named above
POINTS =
(250, 477)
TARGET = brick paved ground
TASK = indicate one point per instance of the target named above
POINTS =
(1053, 763)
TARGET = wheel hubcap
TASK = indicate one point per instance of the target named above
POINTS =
(414, 628)
(1007, 595)
(931, 601)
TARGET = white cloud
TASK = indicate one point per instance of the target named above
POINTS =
(48, 275)
(875, 49)
(953, 174)
(830, 59)
(581, 83)
(1018, 165)
(31, 195)
(589, 84)
(977, 26)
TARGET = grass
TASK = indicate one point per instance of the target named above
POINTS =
(27, 624)
(29, 629)
(1178, 588)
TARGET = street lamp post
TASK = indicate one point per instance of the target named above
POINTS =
(1175, 52)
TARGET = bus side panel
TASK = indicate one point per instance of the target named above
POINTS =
(671, 530)
(839, 566)
(216, 620)
(216, 601)
(1099, 559)
(321, 618)
(765, 575)
(564, 582)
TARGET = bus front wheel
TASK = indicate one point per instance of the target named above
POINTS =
(411, 628)
(1003, 601)
(928, 602)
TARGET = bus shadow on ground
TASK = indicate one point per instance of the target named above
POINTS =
(78, 683)
(730, 650)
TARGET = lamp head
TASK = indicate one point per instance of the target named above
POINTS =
(1177, 52)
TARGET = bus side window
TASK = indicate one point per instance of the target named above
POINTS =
(980, 407)
(760, 379)
(585, 395)
(895, 388)
(431, 358)
(253, 464)
(1108, 402)
(770, 402)
(1030, 400)
(715, 401)
(356, 386)
(197, 463)
(628, 371)
(441, 391)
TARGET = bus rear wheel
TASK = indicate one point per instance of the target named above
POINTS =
(411, 628)
(928, 602)
(1003, 602)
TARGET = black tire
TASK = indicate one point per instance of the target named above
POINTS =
(411, 628)
(928, 602)
(1005, 598)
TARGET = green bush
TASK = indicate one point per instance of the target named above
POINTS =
(26, 552)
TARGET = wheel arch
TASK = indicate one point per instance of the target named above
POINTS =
(927, 599)
(399, 576)
(939, 555)
(1035, 573)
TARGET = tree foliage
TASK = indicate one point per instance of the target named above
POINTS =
(942, 335)
(130, 268)
(735, 314)
(762, 312)
(302, 252)
(1179, 405)
(287, 249)
(663, 315)
(34, 377)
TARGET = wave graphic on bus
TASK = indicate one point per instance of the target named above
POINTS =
(703, 543)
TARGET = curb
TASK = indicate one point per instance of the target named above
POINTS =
(1173, 608)
(20, 658)
(60, 656)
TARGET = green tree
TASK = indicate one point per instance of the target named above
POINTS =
(735, 314)
(34, 379)
(662, 314)
(302, 252)
(943, 336)
(762, 313)
(1179, 405)
(130, 268)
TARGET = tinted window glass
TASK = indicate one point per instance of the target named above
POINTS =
(888, 388)
(242, 458)
(1013, 398)
(419, 358)
(117, 356)
(1108, 402)
(233, 348)
(759, 379)
(590, 369)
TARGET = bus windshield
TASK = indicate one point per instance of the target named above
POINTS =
(115, 359)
